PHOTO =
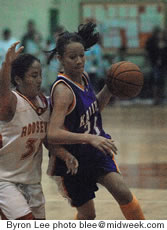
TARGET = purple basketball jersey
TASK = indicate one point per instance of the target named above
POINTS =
(84, 117)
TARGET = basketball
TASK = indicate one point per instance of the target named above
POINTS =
(125, 79)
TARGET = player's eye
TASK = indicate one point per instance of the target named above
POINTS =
(35, 75)
(72, 57)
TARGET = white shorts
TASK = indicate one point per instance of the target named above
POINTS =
(17, 200)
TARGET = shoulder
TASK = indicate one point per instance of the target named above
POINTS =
(61, 93)
(61, 87)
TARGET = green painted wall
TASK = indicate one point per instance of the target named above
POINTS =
(15, 13)
(69, 14)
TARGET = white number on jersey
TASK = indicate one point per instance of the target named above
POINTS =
(95, 128)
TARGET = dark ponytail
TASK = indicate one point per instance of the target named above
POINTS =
(53, 53)
(86, 35)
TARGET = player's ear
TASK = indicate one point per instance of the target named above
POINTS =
(17, 80)
(60, 58)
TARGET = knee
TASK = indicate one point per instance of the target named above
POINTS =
(91, 216)
(124, 196)
(121, 193)
(86, 216)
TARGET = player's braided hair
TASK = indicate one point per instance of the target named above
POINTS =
(86, 35)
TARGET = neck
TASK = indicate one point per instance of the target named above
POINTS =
(28, 97)
(76, 78)
(34, 101)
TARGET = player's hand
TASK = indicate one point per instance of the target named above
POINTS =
(105, 145)
(72, 164)
(12, 53)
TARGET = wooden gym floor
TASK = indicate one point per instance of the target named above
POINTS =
(140, 133)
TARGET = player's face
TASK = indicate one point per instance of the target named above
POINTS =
(31, 83)
(73, 59)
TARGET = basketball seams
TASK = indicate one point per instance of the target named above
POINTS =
(125, 79)
(126, 82)
(121, 63)
(125, 95)
(127, 71)
(111, 78)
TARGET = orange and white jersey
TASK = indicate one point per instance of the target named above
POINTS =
(21, 141)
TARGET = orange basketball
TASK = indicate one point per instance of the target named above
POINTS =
(125, 79)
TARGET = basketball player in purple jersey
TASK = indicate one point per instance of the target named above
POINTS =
(76, 123)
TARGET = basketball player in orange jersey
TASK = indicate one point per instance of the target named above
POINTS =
(24, 114)
(76, 123)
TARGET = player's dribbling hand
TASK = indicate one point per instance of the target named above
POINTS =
(105, 145)
(72, 164)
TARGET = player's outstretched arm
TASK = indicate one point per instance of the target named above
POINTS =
(105, 94)
(7, 98)
(103, 97)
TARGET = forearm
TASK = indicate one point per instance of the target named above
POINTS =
(103, 97)
(59, 151)
(5, 73)
(5, 78)
(70, 160)
(61, 136)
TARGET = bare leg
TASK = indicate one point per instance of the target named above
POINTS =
(86, 211)
(129, 205)
(114, 183)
